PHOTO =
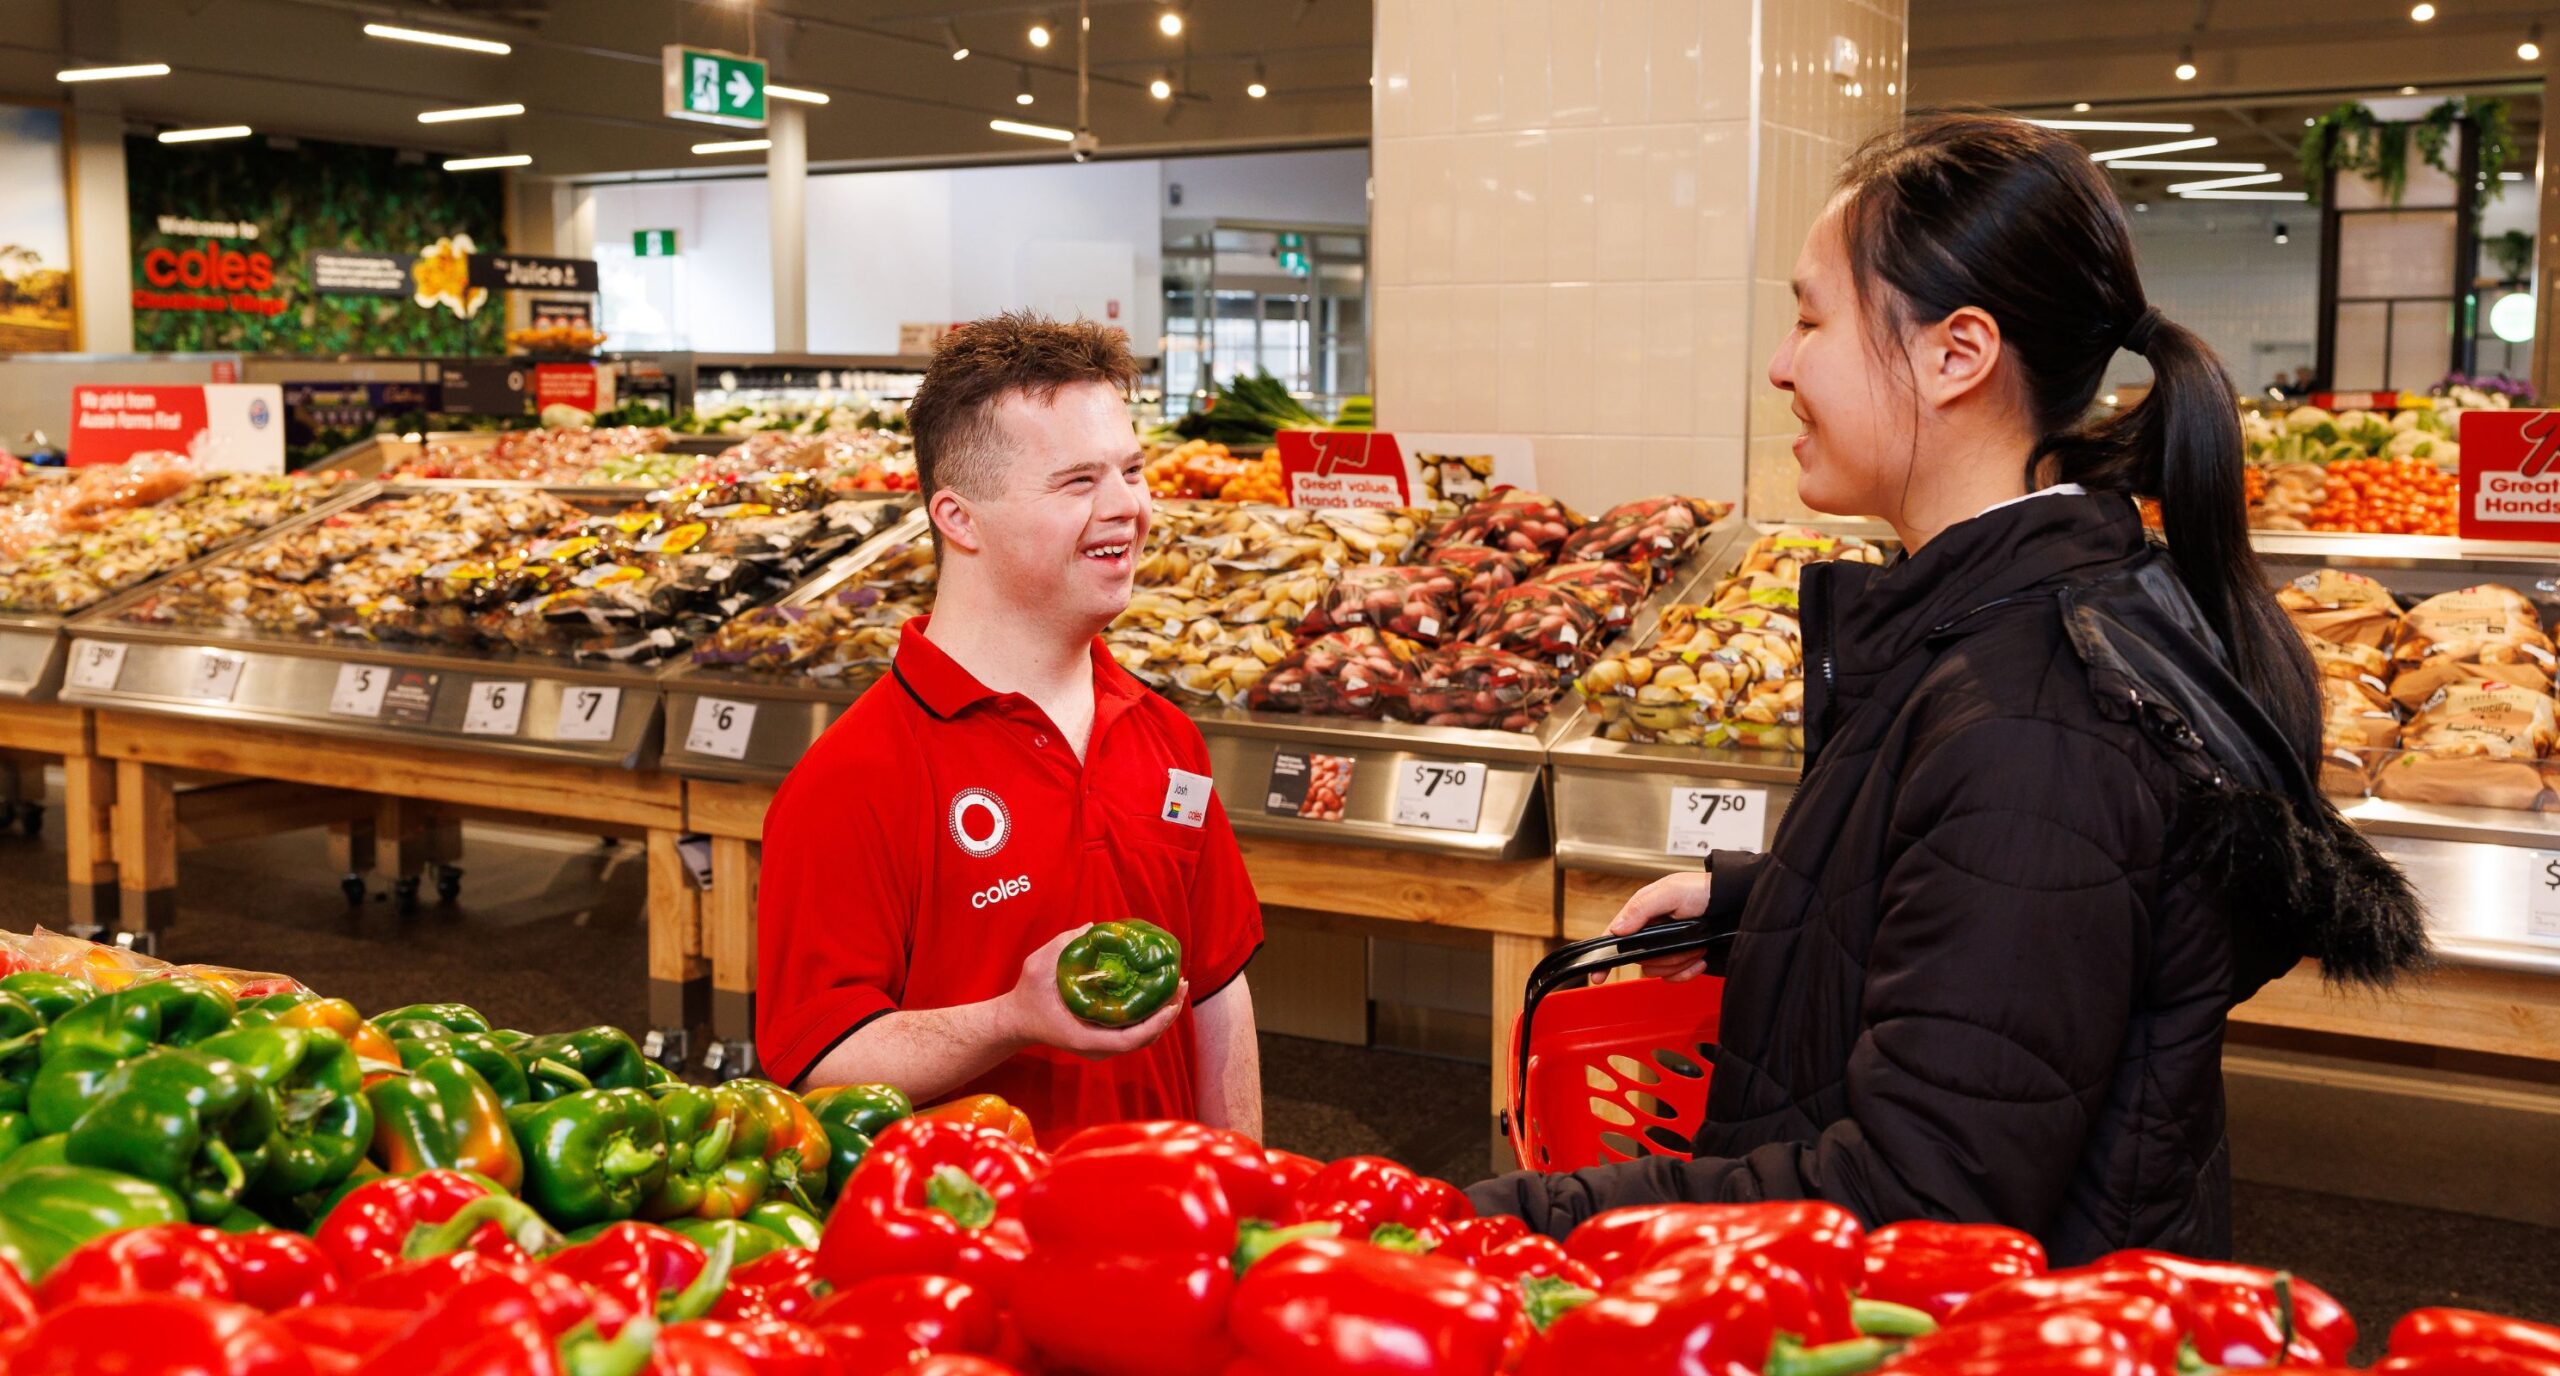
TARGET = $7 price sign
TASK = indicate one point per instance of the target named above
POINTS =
(1442, 795)
(1705, 819)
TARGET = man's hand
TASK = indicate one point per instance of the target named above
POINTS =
(1037, 1016)
(1672, 896)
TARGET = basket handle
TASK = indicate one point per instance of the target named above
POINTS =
(1575, 962)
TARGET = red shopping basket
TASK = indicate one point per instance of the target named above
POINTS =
(1611, 1072)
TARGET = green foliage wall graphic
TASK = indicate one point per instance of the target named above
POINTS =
(324, 196)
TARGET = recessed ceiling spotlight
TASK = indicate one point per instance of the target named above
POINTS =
(2186, 68)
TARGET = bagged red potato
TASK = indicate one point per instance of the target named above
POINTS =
(1472, 685)
(1483, 574)
(1653, 534)
(1521, 522)
(1418, 601)
(1613, 590)
(1360, 672)
(1544, 622)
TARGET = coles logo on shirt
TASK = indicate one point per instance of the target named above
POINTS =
(979, 823)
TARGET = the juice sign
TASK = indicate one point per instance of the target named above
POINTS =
(2511, 475)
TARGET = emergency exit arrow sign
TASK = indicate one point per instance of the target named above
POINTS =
(709, 86)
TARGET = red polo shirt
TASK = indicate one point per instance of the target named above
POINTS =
(941, 831)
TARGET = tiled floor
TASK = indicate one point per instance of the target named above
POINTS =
(548, 934)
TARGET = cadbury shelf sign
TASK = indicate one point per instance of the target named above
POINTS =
(522, 272)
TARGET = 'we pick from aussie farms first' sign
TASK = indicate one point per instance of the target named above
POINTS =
(223, 428)
(2511, 475)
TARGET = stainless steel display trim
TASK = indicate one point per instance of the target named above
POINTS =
(371, 456)
(30, 661)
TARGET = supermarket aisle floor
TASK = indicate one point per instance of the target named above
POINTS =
(548, 934)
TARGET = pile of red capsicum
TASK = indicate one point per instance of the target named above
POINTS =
(1160, 1249)
(198, 1185)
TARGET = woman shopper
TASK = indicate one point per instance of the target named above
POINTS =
(2058, 813)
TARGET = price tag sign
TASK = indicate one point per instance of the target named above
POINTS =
(587, 714)
(96, 664)
(495, 709)
(359, 691)
(721, 727)
(216, 677)
(1443, 797)
(2542, 905)
(1705, 819)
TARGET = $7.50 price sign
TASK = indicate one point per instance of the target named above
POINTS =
(2542, 902)
(1705, 819)
(1443, 795)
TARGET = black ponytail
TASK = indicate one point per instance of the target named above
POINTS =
(1962, 209)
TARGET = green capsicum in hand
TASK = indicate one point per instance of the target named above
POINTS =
(324, 1123)
(89, 1042)
(46, 1211)
(1117, 973)
(197, 1124)
(592, 1156)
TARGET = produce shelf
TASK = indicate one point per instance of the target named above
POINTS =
(30, 657)
(2494, 905)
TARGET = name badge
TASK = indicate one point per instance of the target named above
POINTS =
(1186, 797)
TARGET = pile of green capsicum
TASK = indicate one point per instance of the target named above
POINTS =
(166, 1100)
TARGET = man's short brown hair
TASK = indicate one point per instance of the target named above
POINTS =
(953, 416)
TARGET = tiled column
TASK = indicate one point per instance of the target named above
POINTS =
(1584, 218)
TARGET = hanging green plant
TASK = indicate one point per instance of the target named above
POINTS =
(2513, 253)
(2352, 139)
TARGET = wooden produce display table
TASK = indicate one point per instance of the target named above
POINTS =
(35, 732)
(412, 798)
(730, 812)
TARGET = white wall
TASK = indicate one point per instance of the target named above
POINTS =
(879, 255)
(887, 248)
(1330, 186)
(2217, 269)
(726, 256)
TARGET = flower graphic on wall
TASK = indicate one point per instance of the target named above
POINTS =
(442, 272)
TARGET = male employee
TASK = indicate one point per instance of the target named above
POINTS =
(1008, 784)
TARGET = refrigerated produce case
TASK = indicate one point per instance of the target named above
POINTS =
(1626, 813)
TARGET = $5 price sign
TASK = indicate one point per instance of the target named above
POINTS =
(1438, 794)
(1705, 819)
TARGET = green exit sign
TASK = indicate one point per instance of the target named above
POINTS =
(653, 243)
(714, 87)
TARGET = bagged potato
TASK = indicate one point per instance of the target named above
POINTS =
(1419, 602)
(1553, 624)
(2482, 634)
(2474, 745)
(1613, 590)
(1483, 573)
(2349, 717)
(1652, 535)
(1355, 673)
(1470, 685)
(2361, 667)
(2347, 608)
(1521, 522)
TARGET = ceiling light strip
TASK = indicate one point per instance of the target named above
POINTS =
(2147, 149)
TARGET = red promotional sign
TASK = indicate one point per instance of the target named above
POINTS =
(223, 428)
(565, 384)
(2511, 475)
(1342, 468)
(2360, 401)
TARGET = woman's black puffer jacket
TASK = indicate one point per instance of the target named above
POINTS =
(2042, 845)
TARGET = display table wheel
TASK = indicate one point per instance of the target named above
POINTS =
(448, 883)
(730, 1060)
(668, 1046)
(30, 819)
(352, 885)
